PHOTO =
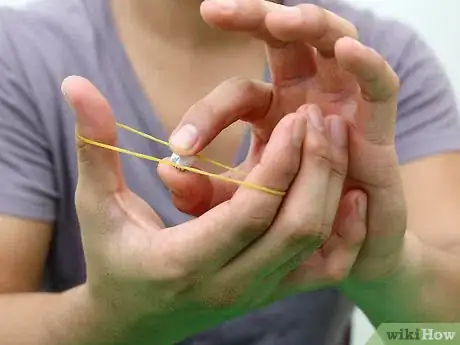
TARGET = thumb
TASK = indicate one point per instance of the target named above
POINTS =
(99, 169)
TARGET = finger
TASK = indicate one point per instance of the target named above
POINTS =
(300, 226)
(216, 237)
(379, 86)
(233, 100)
(375, 137)
(278, 24)
(290, 34)
(291, 64)
(192, 193)
(307, 27)
(99, 169)
(291, 68)
(310, 24)
(329, 265)
(336, 132)
(334, 261)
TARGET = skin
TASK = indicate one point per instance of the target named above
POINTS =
(403, 258)
(137, 289)
(419, 264)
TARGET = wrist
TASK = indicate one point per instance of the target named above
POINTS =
(126, 321)
(92, 320)
(394, 295)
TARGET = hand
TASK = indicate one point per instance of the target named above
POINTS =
(175, 282)
(314, 58)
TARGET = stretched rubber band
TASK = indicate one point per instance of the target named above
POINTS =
(190, 169)
(162, 142)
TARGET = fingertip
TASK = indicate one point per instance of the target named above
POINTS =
(191, 193)
(170, 175)
(68, 82)
(233, 15)
(93, 113)
(73, 87)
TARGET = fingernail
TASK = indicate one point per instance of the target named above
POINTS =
(64, 91)
(226, 5)
(184, 138)
(315, 117)
(338, 132)
(361, 206)
(299, 131)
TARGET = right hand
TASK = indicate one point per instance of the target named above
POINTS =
(235, 257)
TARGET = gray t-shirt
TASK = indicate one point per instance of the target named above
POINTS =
(48, 41)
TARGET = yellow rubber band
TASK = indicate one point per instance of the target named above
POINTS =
(162, 142)
(190, 169)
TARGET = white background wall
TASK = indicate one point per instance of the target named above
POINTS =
(438, 22)
(13, 2)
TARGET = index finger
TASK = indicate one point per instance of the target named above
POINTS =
(233, 100)
(277, 24)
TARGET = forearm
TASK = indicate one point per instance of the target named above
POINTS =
(424, 288)
(51, 319)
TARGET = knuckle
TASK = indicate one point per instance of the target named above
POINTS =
(317, 144)
(312, 238)
(296, 229)
(285, 170)
(181, 278)
(317, 21)
(319, 152)
(174, 272)
(202, 107)
(310, 234)
(290, 172)
(339, 169)
(243, 85)
(252, 221)
(257, 223)
(339, 162)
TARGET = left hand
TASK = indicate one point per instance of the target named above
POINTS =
(314, 59)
